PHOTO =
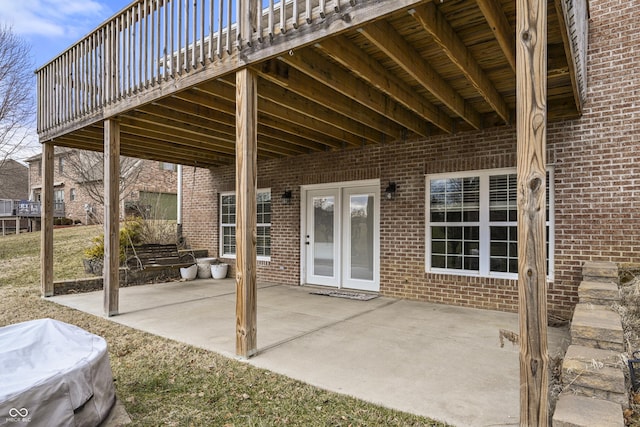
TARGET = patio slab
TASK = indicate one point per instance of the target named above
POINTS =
(433, 360)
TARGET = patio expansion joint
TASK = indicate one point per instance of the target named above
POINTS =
(326, 326)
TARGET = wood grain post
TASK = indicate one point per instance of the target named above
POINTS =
(246, 183)
(111, 216)
(46, 212)
(531, 92)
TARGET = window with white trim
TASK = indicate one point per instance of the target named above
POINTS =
(471, 223)
(228, 224)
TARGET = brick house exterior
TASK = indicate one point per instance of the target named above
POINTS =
(154, 178)
(595, 161)
(14, 180)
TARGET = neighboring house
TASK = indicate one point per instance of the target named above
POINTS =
(386, 140)
(14, 180)
(151, 190)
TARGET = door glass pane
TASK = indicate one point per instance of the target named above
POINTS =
(323, 244)
(361, 207)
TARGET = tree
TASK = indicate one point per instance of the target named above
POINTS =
(87, 169)
(16, 93)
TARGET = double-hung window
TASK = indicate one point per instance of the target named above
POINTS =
(228, 225)
(471, 223)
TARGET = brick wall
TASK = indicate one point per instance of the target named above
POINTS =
(597, 185)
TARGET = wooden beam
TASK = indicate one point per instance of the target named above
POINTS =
(387, 39)
(274, 134)
(501, 28)
(446, 37)
(344, 128)
(531, 92)
(111, 216)
(318, 133)
(568, 51)
(342, 81)
(287, 77)
(46, 238)
(246, 191)
(345, 52)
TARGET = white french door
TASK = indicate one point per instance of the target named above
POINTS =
(341, 235)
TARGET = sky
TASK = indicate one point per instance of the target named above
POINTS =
(50, 27)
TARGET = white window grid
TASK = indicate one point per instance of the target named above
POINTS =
(484, 224)
(228, 224)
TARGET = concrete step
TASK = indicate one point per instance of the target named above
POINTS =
(579, 411)
(599, 293)
(597, 327)
(594, 373)
(595, 271)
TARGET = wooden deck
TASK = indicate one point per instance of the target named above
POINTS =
(332, 74)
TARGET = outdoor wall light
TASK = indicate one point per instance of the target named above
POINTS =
(390, 191)
(286, 197)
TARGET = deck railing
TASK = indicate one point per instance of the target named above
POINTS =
(24, 208)
(153, 43)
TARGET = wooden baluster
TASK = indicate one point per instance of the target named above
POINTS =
(39, 94)
(202, 14)
(194, 35)
(119, 56)
(271, 20)
(68, 82)
(92, 72)
(129, 53)
(211, 21)
(140, 48)
(152, 44)
(145, 45)
(158, 41)
(229, 27)
(179, 56)
(167, 50)
(172, 51)
(283, 17)
(295, 14)
(220, 24)
(186, 36)
(259, 27)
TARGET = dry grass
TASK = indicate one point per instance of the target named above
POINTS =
(163, 382)
(629, 310)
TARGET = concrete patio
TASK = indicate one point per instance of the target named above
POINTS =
(433, 360)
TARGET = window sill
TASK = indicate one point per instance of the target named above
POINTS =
(467, 273)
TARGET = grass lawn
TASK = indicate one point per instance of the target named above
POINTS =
(164, 382)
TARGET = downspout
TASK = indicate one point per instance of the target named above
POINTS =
(179, 207)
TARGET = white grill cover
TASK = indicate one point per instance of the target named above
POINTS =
(53, 374)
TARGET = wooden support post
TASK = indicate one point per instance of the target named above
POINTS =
(111, 216)
(17, 225)
(46, 212)
(531, 92)
(246, 183)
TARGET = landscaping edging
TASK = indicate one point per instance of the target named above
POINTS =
(127, 278)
